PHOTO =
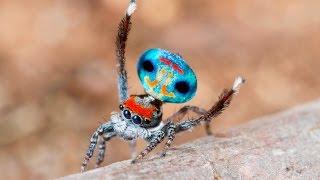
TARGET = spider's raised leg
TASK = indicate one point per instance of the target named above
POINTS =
(184, 110)
(102, 129)
(154, 141)
(171, 127)
(223, 102)
(179, 115)
(121, 39)
(102, 147)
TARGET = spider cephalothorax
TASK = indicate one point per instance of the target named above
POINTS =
(166, 78)
(143, 110)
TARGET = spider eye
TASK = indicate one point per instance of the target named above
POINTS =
(136, 119)
(148, 66)
(127, 114)
(182, 87)
(121, 107)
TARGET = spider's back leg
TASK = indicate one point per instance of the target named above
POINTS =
(223, 102)
(179, 115)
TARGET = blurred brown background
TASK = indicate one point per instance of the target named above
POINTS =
(58, 78)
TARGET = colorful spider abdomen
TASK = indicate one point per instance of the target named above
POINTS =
(166, 76)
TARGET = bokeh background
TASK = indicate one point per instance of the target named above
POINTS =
(58, 77)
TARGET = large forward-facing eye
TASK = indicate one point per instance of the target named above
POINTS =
(127, 114)
(136, 119)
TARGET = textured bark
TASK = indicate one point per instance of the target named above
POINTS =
(281, 146)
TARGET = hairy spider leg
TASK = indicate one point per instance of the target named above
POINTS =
(222, 103)
(154, 141)
(206, 116)
(101, 152)
(181, 113)
(121, 42)
(171, 133)
(105, 128)
(178, 116)
(121, 39)
(102, 147)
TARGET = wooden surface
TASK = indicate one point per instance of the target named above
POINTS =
(285, 145)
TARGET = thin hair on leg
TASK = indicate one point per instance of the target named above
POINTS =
(223, 102)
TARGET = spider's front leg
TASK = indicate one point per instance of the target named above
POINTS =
(102, 147)
(101, 130)
(155, 140)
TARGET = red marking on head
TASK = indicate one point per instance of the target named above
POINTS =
(138, 108)
(172, 64)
